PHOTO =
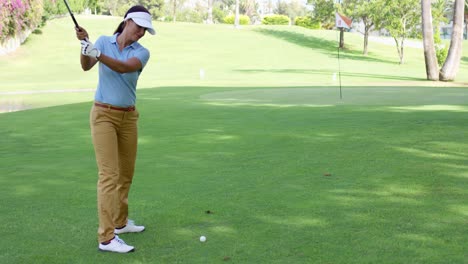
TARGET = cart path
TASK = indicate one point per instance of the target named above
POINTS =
(48, 91)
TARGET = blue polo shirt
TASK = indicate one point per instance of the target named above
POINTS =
(115, 88)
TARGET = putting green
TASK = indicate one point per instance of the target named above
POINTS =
(438, 98)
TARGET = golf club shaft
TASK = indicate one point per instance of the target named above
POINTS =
(71, 13)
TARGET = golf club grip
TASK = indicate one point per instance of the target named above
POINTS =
(74, 21)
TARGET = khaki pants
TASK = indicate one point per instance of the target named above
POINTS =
(114, 134)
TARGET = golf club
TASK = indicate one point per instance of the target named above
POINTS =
(72, 16)
(71, 13)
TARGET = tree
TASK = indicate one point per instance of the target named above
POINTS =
(466, 19)
(221, 9)
(295, 9)
(291, 9)
(439, 10)
(432, 69)
(324, 11)
(367, 11)
(236, 18)
(174, 10)
(452, 63)
(92, 5)
(154, 6)
(175, 6)
(282, 8)
(249, 8)
(111, 6)
(209, 19)
(399, 17)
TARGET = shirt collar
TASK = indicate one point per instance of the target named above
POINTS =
(113, 40)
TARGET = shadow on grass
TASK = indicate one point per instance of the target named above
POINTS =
(326, 46)
(343, 73)
(464, 60)
(395, 194)
(392, 98)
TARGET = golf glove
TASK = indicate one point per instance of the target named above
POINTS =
(88, 49)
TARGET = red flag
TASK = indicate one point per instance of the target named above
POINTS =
(342, 21)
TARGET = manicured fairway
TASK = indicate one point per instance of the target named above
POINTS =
(395, 191)
(331, 96)
(289, 171)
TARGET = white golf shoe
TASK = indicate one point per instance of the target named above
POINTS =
(130, 227)
(116, 245)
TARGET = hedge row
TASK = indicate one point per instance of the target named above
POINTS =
(243, 19)
(307, 22)
(20, 15)
(276, 20)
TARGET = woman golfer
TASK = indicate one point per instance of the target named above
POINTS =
(113, 120)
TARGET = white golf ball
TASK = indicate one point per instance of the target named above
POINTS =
(202, 239)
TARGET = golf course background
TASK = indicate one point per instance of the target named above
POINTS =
(290, 172)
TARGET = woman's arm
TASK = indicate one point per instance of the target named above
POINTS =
(130, 65)
(86, 62)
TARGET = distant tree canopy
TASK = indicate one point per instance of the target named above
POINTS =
(401, 18)
(17, 16)
(324, 11)
(22, 15)
(292, 9)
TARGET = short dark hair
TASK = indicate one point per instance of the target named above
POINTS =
(133, 9)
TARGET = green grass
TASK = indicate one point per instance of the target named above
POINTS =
(396, 194)
(275, 56)
(252, 143)
(260, 56)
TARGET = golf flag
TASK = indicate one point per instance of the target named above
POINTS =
(342, 21)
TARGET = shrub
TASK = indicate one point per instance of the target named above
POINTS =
(218, 15)
(307, 22)
(189, 15)
(441, 53)
(441, 49)
(18, 15)
(33, 15)
(276, 20)
(243, 20)
(4, 19)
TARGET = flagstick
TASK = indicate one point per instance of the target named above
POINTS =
(339, 65)
(341, 22)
